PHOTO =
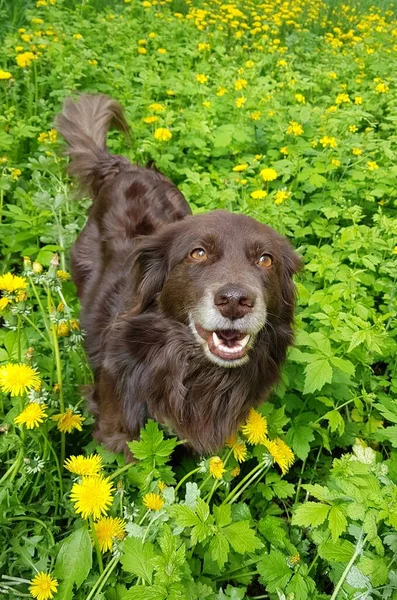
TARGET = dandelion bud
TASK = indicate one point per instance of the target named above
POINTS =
(27, 263)
(61, 307)
(63, 330)
(75, 325)
(56, 388)
(29, 353)
(37, 268)
(54, 263)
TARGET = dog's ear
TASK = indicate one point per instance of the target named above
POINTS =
(292, 263)
(151, 268)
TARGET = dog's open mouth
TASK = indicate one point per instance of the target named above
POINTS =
(227, 344)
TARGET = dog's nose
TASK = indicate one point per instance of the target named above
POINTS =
(234, 301)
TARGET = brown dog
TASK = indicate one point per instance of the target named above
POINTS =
(187, 318)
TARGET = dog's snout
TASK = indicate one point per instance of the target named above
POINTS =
(234, 301)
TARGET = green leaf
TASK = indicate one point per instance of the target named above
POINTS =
(152, 446)
(319, 492)
(318, 373)
(241, 538)
(310, 514)
(343, 364)
(335, 421)
(138, 558)
(274, 571)
(219, 549)
(341, 552)
(299, 587)
(223, 515)
(299, 438)
(376, 568)
(73, 562)
(388, 408)
(337, 522)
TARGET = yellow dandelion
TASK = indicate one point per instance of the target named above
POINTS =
(15, 173)
(37, 268)
(342, 99)
(269, 174)
(221, 91)
(357, 151)
(281, 196)
(201, 78)
(5, 74)
(240, 452)
(332, 75)
(294, 128)
(372, 165)
(239, 168)
(382, 88)
(240, 84)
(281, 453)
(207, 104)
(32, 415)
(142, 50)
(249, 64)
(328, 142)
(255, 427)
(235, 472)
(4, 302)
(92, 497)
(161, 50)
(43, 586)
(153, 501)
(216, 467)
(63, 329)
(12, 283)
(17, 379)
(335, 162)
(68, 421)
(255, 115)
(84, 465)
(300, 98)
(162, 134)
(284, 150)
(63, 275)
(258, 194)
(161, 486)
(358, 100)
(107, 530)
(25, 59)
(74, 324)
(157, 107)
(240, 102)
(150, 120)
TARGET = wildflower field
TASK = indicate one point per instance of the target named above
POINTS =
(283, 110)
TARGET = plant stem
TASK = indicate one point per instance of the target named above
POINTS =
(58, 364)
(121, 470)
(258, 467)
(359, 546)
(102, 579)
(182, 481)
(257, 475)
(96, 544)
(41, 523)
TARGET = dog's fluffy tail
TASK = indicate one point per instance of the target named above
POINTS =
(84, 124)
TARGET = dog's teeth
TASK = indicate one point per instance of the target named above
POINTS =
(216, 340)
(245, 341)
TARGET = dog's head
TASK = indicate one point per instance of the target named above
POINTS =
(225, 276)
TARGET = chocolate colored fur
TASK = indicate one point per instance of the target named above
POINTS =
(142, 292)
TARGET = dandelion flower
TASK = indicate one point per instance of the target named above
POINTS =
(216, 467)
(4, 302)
(157, 107)
(358, 100)
(335, 162)
(150, 120)
(281, 453)
(5, 74)
(12, 283)
(25, 59)
(240, 102)
(281, 196)
(93, 496)
(255, 115)
(17, 379)
(255, 427)
(43, 586)
(300, 98)
(372, 165)
(269, 174)
(258, 194)
(239, 168)
(63, 329)
(240, 452)
(106, 530)
(63, 275)
(162, 134)
(153, 501)
(68, 421)
(235, 472)
(221, 91)
(84, 465)
(240, 84)
(32, 415)
(357, 151)
(294, 128)
(201, 78)
(382, 88)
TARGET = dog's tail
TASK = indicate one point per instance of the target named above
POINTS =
(84, 124)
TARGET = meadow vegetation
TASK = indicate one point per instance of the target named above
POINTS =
(283, 110)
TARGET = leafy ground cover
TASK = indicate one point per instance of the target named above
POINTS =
(282, 110)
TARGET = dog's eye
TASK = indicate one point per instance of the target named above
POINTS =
(265, 261)
(199, 254)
